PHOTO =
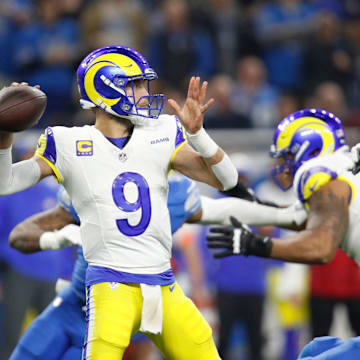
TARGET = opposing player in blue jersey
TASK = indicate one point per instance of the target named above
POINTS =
(58, 333)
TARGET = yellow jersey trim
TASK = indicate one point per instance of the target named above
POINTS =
(175, 152)
(53, 167)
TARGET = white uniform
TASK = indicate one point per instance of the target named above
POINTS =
(120, 195)
(317, 172)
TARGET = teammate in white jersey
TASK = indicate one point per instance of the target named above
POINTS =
(116, 174)
(312, 158)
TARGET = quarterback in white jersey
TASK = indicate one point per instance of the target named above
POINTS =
(116, 174)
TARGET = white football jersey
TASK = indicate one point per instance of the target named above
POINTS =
(120, 195)
(315, 173)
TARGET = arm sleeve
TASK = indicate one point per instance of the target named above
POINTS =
(218, 211)
(19, 176)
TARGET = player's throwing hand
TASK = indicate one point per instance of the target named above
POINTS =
(191, 114)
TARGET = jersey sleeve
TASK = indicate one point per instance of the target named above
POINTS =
(180, 138)
(312, 179)
(47, 150)
(64, 201)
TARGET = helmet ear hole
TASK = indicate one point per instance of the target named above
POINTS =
(315, 152)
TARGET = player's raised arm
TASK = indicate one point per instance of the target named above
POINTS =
(208, 163)
(49, 230)
(24, 174)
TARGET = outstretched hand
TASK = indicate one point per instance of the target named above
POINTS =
(191, 114)
(228, 238)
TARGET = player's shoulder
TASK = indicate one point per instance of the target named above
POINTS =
(170, 122)
(317, 172)
(67, 132)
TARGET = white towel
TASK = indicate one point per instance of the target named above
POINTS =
(152, 310)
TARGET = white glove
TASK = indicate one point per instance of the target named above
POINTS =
(69, 235)
(294, 213)
(355, 157)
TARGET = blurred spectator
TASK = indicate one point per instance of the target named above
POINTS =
(282, 27)
(331, 285)
(222, 113)
(72, 8)
(252, 96)
(177, 50)
(114, 22)
(46, 50)
(329, 56)
(331, 97)
(29, 280)
(234, 33)
(288, 103)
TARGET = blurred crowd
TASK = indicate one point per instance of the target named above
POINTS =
(262, 58)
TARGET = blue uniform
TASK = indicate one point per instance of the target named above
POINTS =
(58, 333)
(331, 348)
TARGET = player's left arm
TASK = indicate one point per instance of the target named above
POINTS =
(39, 232)
(325, 229)
(209, 163)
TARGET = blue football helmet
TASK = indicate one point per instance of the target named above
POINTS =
(304, 135)
(103, 78)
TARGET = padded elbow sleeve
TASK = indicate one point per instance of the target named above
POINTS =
(19, 176)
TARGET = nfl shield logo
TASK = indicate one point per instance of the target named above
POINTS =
(122, 157)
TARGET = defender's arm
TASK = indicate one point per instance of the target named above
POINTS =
(326, 227)
(25, 237)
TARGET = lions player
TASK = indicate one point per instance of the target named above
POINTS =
(116, 175)
(310, 148)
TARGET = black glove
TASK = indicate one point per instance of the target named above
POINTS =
(238, 239)
(242, 192)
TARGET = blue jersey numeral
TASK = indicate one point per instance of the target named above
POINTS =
(143, 202)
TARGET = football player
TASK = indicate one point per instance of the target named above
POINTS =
(58, 333)
(313, 158)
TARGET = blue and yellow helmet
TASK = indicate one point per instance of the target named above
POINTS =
(304, 135)
(103, 77)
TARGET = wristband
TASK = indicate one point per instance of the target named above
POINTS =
(226, 173)
(257, 245)
(203, 143)
(240, 192)
(48, 241)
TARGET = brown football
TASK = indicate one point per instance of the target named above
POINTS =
(21, 107)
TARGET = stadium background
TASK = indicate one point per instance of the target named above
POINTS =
(263, 60)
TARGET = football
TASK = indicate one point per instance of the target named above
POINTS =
(21, 107)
